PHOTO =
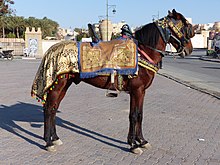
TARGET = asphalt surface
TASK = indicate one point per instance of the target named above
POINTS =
(198, 71)
(182, 124)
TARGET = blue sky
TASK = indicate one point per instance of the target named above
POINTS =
(71, 13)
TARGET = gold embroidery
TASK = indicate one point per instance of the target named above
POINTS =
(115, 54)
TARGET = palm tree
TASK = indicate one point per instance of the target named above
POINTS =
(49, 27)
(19, 25)
(10, 24)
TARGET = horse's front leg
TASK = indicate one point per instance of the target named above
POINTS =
(135, 117)
(139, 136)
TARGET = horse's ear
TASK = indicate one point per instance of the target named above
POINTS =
(174, 11)
(169, 13)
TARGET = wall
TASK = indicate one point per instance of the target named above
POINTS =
(46, 44)
(200, 40)
(16, 44)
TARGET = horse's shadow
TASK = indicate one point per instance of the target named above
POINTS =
(33, 114)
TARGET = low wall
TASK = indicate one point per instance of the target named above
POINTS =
(46, 44)
(16, 44)
(198, 41)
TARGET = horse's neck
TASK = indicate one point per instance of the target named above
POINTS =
(154, 55)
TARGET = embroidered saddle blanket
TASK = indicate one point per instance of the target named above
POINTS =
(63, 57)
(105, 57)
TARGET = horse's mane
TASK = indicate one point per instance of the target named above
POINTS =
(148, 35)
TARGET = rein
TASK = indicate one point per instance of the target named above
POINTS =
(165, 53)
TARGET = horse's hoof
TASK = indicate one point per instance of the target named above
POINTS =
(146, 146)
(51, 149)
(57, 142)
(137, 151)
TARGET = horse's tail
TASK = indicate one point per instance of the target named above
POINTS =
(59, 59)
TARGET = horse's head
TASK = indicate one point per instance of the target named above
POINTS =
(174, 29)
(181, 32)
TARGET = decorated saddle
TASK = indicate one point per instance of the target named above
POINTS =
(105, 57)
(89, 61)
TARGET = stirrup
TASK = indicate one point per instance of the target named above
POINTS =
(112, 94)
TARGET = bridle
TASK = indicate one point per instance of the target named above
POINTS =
(182, 30)
(167, 26)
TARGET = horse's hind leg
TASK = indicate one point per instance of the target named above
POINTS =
(55, 139)
(54, 98)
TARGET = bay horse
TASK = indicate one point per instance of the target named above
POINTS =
(152, 39)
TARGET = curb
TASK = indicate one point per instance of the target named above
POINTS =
(205, 58)
(187, 84)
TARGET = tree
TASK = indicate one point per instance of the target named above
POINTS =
(19, 25)
(13, 25)
(5, 10)
(49, 27)
(81, 34)
(5, 7)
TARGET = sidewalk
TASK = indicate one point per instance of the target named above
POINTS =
(182, 124)
(203, 55)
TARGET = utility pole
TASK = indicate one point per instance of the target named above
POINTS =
(107, 15)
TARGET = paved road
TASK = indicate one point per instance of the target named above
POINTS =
(200, 74)
(182, 124)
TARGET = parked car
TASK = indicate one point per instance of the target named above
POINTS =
(215, 51)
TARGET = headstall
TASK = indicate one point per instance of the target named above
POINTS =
(166, 25)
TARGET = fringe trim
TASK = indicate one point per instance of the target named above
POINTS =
(44, 98)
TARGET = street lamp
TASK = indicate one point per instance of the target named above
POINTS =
(155, 17)
(113, 11)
